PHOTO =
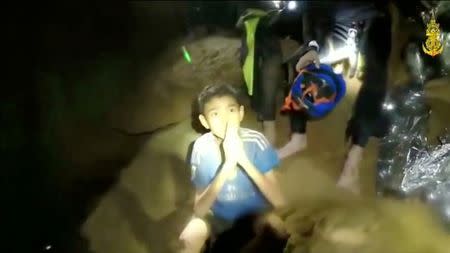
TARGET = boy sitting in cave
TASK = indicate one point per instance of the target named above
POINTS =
(232, 169)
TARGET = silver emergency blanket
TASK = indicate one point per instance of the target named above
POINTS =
(427, 168)
(408, 166)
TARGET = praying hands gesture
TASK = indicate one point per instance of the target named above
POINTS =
(233, 148)
(235, 154)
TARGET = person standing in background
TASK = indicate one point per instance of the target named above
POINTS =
(322, 19)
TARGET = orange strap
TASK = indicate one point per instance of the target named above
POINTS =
(289, 104)
(318, 101)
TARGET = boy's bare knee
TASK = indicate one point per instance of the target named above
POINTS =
(195, 233)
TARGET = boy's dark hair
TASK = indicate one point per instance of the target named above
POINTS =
(216, 90)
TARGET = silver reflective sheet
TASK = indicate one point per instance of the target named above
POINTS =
(408, 166)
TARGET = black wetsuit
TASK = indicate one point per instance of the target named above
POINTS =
(268, 63)
(320, 19)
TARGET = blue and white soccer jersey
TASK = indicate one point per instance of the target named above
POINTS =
(239, 196)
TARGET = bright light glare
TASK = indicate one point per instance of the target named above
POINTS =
(336, 55)
(339, 69)
(292, 5)
(277, 3)
(388, 106)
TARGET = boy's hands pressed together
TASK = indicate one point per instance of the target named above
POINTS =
(233, 148)
(232, 144)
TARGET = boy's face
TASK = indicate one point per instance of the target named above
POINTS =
(220, 111)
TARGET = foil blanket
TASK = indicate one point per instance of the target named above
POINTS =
(408, 166)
